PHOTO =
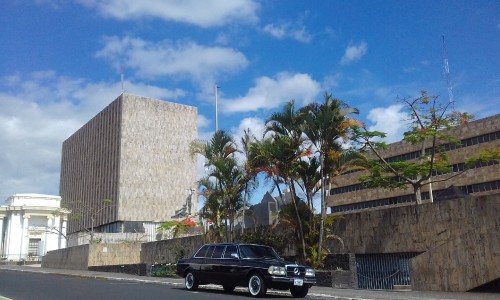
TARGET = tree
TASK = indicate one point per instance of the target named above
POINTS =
(251, 182)
(225, 196)
(175, 228)
(85, 216)
(326, 126)
(282, 152)
(431, 127)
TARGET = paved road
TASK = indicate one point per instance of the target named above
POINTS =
(129, 283)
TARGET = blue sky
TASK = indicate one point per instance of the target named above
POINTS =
(61, 62)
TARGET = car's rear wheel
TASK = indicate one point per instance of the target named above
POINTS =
(190, 281)
(228, 288)
(299, 291)
(256, 286)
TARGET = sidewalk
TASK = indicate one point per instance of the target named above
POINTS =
(314, 292)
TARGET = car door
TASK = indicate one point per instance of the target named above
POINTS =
(213, 266)
(230, 267)
(205, 267)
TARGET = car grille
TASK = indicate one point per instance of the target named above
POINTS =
(295, 271)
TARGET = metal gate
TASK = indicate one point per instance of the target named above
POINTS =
(383, 271)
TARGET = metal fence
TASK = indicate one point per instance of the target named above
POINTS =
(383, 271)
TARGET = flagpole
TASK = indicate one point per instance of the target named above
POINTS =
(216, 109)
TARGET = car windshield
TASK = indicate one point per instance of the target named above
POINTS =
(256, 251)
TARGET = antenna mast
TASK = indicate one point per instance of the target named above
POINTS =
(447, 73)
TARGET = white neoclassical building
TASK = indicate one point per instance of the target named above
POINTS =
(31, 225)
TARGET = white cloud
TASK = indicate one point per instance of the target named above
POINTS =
(270, 93)
(184, 59)
(288, 30)
(255, 125)
(206, 13)
(354, 53)
(38, 112)
(390, 120)
(203, 121)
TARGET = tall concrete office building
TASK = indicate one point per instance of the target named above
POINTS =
(135, 152)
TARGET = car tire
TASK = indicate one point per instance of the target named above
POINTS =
(228, 288)
(256, 285)
(299, 291)
(190, 281)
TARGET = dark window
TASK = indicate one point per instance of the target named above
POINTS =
(218, 251)
(202, 251)
(257, 251)
(33, 247)
(229, 251)
(210, 251)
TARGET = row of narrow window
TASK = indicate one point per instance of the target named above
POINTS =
(485, 138)
(454, 169)
(466, 189)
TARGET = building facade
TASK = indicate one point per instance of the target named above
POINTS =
(31, 225)
(136, 154)
(348, 195)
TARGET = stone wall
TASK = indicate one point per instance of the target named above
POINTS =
(84, 256)
(459, 265)
(459, 239)
(168, 251)
(74, 258)
(414, 228)
(340, 272)
(114, 254)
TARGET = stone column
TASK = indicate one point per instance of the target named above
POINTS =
(52, 237)
(1, 235)
(13, 237)
(24, 238)
(63, 235)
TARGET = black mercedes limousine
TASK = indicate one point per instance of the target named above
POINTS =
(257, 267)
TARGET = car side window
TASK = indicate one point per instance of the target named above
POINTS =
(209, 251)
(201, 252)
(229, 250)
(218, 251)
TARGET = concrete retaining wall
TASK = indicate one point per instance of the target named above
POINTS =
(74, 258)
(114, 254)
(168, 251)
(459, 265)
(84, 256)
(459, 239)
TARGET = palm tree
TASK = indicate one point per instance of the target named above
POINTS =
(222, 166)
(287, 149)
(310, 175)
(231, 181)
(326, 125)
(251, 182)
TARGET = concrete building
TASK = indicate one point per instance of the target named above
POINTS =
(136, 153)
(348, 196)
(31, 225)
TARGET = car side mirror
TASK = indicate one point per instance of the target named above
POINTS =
(234, 255)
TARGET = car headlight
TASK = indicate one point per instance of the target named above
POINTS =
(275, 270)
(310, 272)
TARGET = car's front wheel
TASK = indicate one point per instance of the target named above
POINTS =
(256, 285)
(299, 291)
(190, 281)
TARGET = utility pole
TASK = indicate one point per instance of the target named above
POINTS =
(447, 73)
(216, 109)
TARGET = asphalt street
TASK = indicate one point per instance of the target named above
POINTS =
(208, 292)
